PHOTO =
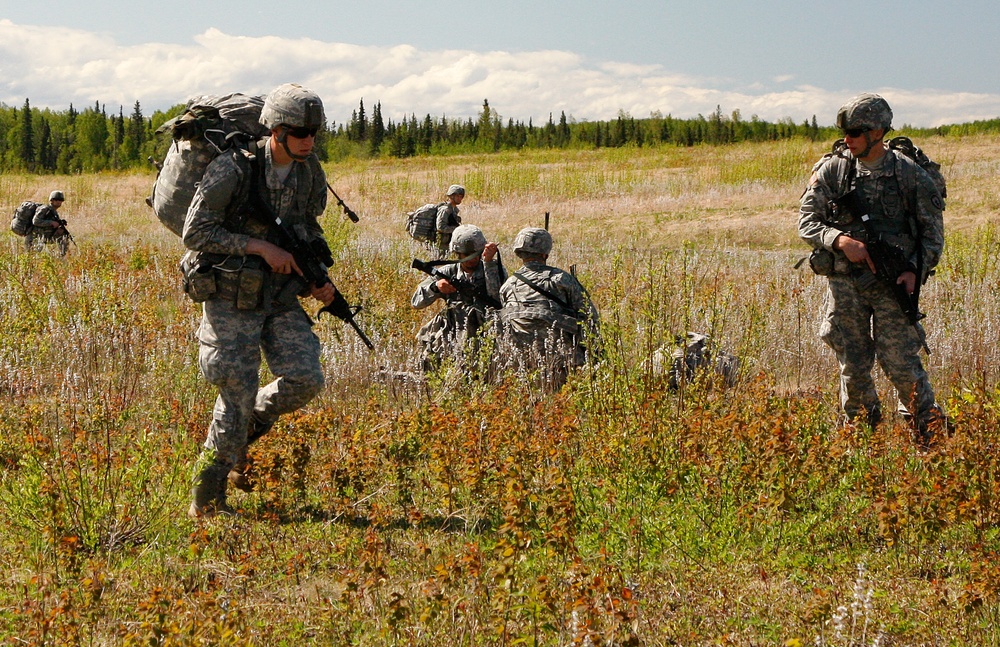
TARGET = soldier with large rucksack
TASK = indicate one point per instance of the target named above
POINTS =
(247, 204)
(434, 223)
(873, 214)
(41, 223)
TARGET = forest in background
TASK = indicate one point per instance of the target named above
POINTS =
(92, 140)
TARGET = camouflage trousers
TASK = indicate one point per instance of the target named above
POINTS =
(231, 343)
(864, 323)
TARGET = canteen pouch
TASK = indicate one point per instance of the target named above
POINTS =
(821, 261)
(249, 289)
(198, 277)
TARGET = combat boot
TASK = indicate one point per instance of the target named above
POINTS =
(238, 475)
(209, 492)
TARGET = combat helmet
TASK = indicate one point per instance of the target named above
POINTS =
(868, 111)
(533, 240)
(467, 241)
(456, 189)
(292, 105)
(57, 195)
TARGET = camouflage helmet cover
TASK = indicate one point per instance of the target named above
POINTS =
(533, 240)
(868, 111)
(467, 240)
(456, 189)
(56, 195)
(292, 105)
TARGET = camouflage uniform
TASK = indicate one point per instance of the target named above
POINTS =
(447, 220)
(863, 320)
(237, 326)
(458, 324)
(47, 226)
(543, 332)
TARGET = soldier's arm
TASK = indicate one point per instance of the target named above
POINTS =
(204, 225)
(814, 206)
(930, 220)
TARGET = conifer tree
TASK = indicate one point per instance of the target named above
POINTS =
(27, 149)
(376, 134)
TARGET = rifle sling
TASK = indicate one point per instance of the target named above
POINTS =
(542, 291)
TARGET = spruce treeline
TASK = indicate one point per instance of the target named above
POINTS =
(71, 141)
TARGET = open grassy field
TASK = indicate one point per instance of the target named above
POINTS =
(457, 512)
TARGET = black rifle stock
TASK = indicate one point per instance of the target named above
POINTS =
(431, 269)
(311, 258)
(347, 210)
(889, 261)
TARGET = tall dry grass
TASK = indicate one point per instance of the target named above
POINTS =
(463, 512)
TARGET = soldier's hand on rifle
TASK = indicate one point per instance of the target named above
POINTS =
(854, 250)
(325, 293)
(280, 261)
(444, 287)
(908, 280)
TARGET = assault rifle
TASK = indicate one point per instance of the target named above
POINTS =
(311, 257)
(889, 261)
(464, 287)
(347, 210)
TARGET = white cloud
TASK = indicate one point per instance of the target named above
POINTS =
(56, 66)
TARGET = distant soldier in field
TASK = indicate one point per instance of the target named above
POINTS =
(548, 319)
(448, 218)
(470, 288)
(250, 287)
(47, 226)
(864, 321)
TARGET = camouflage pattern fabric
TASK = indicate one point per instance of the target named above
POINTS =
(863, 321)
(447, 221)
(232, 339)
(542, 333)
(46, 227)
(452, 331)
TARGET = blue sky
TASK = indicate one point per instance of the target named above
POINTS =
(935, 62)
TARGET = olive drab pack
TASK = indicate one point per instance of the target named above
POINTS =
(20, 224)
(208, 126)
(905, 146)
(422, 223)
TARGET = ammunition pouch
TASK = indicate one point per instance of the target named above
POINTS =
(241, 280)
(821, 261)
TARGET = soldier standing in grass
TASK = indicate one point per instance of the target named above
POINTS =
(47, 226)
(864, 322)
(448, 218)
(547, 316)
(470, 288)
(252, 303)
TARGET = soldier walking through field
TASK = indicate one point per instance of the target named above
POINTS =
(864, 318)
(447, 219)
(252, 304)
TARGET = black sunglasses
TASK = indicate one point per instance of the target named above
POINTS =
(855, 132)
(301, 132)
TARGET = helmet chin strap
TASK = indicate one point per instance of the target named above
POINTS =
(282, 139)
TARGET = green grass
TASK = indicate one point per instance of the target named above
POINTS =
(468, 513)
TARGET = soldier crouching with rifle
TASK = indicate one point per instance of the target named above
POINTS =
(250, 286)
(873, 217)
(470, 287)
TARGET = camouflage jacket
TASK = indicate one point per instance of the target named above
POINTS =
(463, 308)
(527, 312)
(46, 217)
(904, 204)
(221, 220)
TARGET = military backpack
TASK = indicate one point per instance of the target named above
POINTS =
(422, 223)
(20, 224)
(209, 126)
